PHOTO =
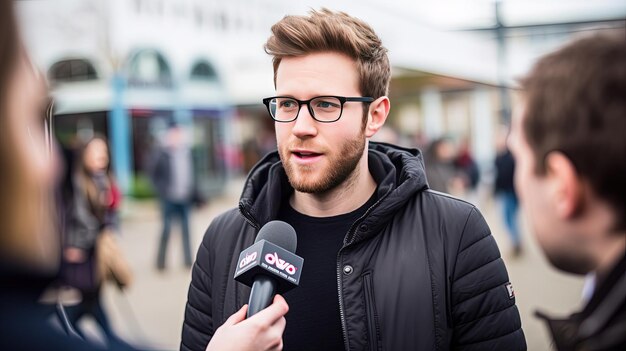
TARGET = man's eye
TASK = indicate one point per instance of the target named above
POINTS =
(288, 104)
(326, 104)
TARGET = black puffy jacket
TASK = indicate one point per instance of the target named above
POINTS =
(426, 272)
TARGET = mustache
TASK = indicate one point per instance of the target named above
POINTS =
(299, 144)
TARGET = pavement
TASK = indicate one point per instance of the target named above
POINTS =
(150, 313)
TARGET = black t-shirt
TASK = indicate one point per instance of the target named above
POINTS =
(313, 320)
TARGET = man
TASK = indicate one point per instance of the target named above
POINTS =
(389, 264)
(569, 142)
(505, 190)
(172, 175)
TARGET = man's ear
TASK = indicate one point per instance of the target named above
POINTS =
(566, 188)
(378, 112)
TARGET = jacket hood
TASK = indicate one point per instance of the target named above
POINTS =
(399, 173)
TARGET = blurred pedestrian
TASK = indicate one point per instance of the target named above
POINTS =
(440, 171)
(173, 178)
(505, 192)
(466, 164)
(569, 142)
(92, 213)
(469, 171)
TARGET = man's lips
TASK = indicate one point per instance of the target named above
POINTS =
(303, 154)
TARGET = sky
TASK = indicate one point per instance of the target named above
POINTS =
(463, 14)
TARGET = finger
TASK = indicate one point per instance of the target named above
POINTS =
(273, 312)
(237, 316)
(279, 299)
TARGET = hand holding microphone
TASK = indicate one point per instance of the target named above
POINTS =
(263, 331)
(269, 266)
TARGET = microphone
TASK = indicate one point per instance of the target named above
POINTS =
(269, 266)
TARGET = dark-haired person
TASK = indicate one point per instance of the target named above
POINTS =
(569, 142)
(389, 264)
(92, 211)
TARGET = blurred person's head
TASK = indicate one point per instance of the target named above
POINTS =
(569, 142)
(328, 53)
(94, 162)
(28, 172)
(502, 136)
(175, 135)
(464, 145)
(95, 157)
(442, 150)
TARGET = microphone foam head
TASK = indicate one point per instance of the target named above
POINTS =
(279, 233)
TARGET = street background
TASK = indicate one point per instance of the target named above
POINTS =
(127, 69)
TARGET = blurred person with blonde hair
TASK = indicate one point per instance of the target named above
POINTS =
(29, 242)
(389, 264)
(569, 142)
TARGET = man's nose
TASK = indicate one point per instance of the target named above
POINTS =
(304, 125)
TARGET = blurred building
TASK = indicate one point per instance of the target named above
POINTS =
(123, 67)
(456, 77)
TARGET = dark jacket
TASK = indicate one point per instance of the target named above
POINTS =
(83, 226)
(505, 171)
(601, 324)
(26, 324)
(159, 170)
(160, 173)
(427, 274)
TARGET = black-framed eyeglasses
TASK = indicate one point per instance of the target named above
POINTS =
(325, 109)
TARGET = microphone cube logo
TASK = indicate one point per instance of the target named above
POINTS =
(281, 264)
(248, 259)
(266, 258)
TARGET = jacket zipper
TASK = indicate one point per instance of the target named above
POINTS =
(348, 240)
(248, 217)
(352, 230)
(341, 314)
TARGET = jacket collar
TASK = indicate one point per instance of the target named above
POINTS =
(596, 326)
(399, 173)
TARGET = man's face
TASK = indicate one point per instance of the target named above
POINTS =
(320, 156)
(561, 243)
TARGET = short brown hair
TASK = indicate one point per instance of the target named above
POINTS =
(576, 104)
(325, 30)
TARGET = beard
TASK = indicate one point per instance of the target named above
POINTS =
(569, 262)
(341, 166)
(568, 255)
